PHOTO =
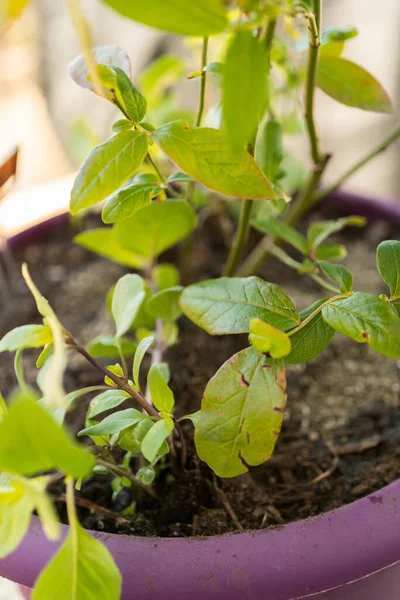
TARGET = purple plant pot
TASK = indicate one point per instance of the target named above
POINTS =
(352, 553)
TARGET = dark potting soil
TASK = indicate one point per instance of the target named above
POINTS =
(341, 432)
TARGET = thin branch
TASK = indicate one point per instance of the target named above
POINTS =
(121, 472)
(203, 81)
(181, 435)
(226, 504)
(93, 507)
(162, 178)
(314, 20)
(119, 382)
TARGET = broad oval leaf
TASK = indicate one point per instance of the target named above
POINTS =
(155, 228)
(227, 305)
(311, 339)
(106, 346)
(283, 231)
(106, 401)
(200, 18)
(26, 336)
(165, 304)
(155, 438)
(125, 202)
(339, 274)
(123, 93)
(269, 340)
(161, 393)
(388, 261)
(352, 85)
(206, 155)
(31, 441)
(14, 523)
(127, 299)
(165, 276)
(241, 413)
(115, 423)
(269, 151)
(107, 167)
(244, 88)
(366, 318)
(82, 569)
(103, 241)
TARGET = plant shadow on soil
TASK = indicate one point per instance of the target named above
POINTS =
(341, 432)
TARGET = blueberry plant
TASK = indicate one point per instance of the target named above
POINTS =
(160, 170)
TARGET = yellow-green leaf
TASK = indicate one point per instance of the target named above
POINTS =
(207, 156)
(267, 339)
(202, 17)
(241, 413)
(107, 167)
(352, 85)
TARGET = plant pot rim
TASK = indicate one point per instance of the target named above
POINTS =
(298, 560)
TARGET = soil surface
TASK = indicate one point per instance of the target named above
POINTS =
(341, 432)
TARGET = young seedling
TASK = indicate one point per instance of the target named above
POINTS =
(158, 175)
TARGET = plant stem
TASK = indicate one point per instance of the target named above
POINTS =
(119, 382)
(83, 33)
(312, 64)
(93, 507)
(315, 313)
(121, 472)
(240, 239)
(381, 147)
(187, 245)
(73, 524)
(203, 81)
(181, 435)
(161, 177)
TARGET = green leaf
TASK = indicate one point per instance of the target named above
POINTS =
(115, 423)
(320, 230)
(244, 88)
(206, 155)
(26, 336)
(269, 340)
(82, 569)
(226, 305)
(102, 55)
(14, 523)
(388, 261)
(106, 346)
(352, 85)
(161, 394)
(338, 274)
(241, 413)
(200, 18)
(366, 318)
(107, 167)
(3, 409)
(331, 252)
(165, 276)
(217, 68)
(128, 99)
(103, 241)
(127, 298)
(311, 339)
(155, 228)
(142, 348)
(269, 149)
(45, 354)
(126, 201)
(282, 231)
(146, 475)
(165, 304)
(106, 401)
(179, 178)
(31, 441)
(122, 125)
(155, 438)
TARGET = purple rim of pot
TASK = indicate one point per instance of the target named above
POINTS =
(299, 560)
